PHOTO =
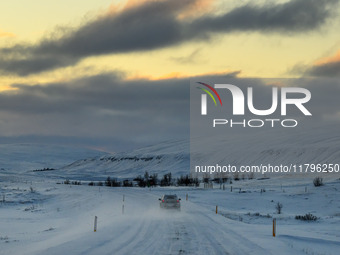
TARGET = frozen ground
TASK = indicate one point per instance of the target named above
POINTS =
(52, 218)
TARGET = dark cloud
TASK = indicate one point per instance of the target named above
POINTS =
(331, 69)
(104, 91)
(106, 108)
(294, 16)
(98, 108)
(155, 25)
(326, 67)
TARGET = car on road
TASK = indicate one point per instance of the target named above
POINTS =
(170, 202)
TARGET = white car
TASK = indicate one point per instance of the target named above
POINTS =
(170, 202)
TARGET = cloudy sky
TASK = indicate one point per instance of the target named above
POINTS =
(115, 74)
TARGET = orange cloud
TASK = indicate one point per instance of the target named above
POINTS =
(172, 75)
(6, 34)
(328, 60)
(197, 8)
(188, 8)
(178, 75)
(135, 3)
(126, 5)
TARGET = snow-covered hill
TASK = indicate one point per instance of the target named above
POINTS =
(318, 145)
(160, 159)
(275, 147)
(298, 147)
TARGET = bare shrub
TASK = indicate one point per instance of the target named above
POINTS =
(306, 217)
(278, 208)
(318, 181)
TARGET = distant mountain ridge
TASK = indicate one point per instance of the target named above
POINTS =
(315, 146)
(25, 157)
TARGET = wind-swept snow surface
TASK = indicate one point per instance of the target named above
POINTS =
(59, 219)
(39, 216)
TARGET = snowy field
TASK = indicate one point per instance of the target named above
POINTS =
(40, 216)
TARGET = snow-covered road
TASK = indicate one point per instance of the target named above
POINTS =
(64, 224)
(58, 219)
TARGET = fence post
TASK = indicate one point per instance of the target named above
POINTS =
(95, 223)
(274, 227)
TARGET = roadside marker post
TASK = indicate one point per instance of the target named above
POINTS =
(274, 227)
(123, 204)
(186, 197)
(216, 209)
(95, 223)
